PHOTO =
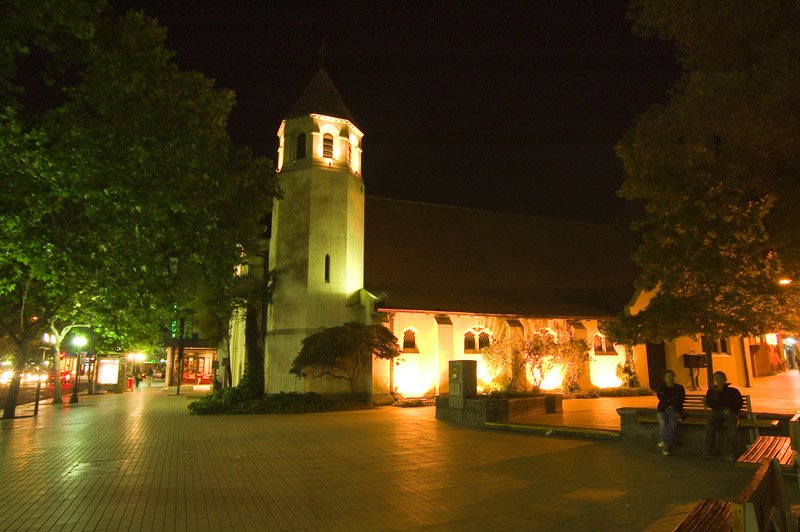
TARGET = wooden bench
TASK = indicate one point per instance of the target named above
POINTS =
(695, 413)
(708, 514)
(781, 448)
(761, 506)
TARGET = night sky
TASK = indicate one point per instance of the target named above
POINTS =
(503, 106)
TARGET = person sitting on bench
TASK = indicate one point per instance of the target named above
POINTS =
(725, 403)
(670, 410)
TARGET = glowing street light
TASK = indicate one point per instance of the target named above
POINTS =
(785, 282)
(79, 342)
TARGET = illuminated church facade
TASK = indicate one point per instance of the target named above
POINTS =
(447, 281)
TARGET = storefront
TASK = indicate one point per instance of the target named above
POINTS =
(198, 364)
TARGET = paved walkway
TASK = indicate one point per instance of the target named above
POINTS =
(138, 461)
(779, 394)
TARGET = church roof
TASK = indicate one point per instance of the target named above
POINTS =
(448, 259)
(321, 97)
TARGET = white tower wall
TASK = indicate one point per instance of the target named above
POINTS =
(319, 219)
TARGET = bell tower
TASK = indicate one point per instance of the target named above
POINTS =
(317, 243)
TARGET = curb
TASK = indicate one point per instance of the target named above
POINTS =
(550, 430)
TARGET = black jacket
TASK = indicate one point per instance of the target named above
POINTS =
(727, 398)
(671, 396)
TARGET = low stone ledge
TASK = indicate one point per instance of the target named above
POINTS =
(480, 410)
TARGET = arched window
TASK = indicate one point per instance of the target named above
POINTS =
(327, 268)
(476, 339)
(327, 146)
(469, 341)
(598, 343)
(483, 340)
(603, 345)
(300, 146)
(409, 341)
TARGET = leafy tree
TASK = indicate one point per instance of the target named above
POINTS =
(541, 355)
(505, 358)
(572, 353)
(220, 303)
(128, 166)
(716, 169)
(344, 352)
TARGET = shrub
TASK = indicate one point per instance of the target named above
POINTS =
(499, 394)
(622, 391)
(222, 401)
(627, 373)
(586, 394)
(412, 403)
(235, 401)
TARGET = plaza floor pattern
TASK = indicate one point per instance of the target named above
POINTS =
(139, 461)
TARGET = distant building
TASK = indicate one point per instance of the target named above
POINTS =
(741, 358)
(447, 281)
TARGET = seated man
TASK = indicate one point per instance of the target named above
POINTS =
(670, 410)
(725, 403)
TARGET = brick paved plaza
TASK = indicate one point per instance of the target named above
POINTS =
(139, 461)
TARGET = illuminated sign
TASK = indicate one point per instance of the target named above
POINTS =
(108, 371)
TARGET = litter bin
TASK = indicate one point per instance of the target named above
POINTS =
(130, 383)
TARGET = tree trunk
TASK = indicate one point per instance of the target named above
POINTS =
(57, 399)
(254, 356)
(10, 408)
(709, 365)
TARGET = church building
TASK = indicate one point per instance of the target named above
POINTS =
(447, 281)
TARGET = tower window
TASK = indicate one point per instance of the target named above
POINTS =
(300, 147)
(327, 146)
(327, 268)
(410, 341)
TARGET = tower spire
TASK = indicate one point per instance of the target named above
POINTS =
(323, 49)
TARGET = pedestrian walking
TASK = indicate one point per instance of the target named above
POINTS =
(137, 377)
(150, 378)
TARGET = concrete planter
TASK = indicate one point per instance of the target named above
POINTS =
(478, 411)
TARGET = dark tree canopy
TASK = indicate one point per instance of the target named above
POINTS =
(717, 169)
(115, 162)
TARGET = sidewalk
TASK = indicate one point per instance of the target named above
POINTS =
(138, 461)
(779, 394)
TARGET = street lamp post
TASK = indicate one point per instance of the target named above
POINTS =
(48, 341)
(79, 342)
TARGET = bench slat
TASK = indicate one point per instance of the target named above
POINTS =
(697, 421)
(770, 447)
(707, 514)
(755, 508)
